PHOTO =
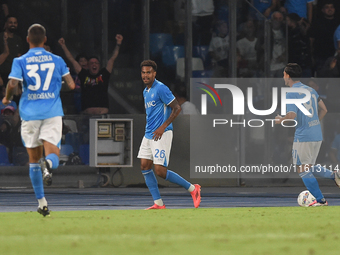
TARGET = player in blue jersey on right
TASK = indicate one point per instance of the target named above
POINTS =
(161, 109)
(308, 134)
(40, 108)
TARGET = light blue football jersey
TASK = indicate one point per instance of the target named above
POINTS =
(41, 73)
(308, 128)
(157, 100)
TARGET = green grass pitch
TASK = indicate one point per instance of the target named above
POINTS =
(275, 230)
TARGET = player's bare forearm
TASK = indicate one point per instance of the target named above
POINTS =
(11, 87)
(289, 116)
(176, 109)
(322, 109)
(69, 82)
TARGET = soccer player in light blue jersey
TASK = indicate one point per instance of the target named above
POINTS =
(308, 134)
(161, 109)
(40, 108)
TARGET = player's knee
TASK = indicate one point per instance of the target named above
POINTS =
(160, 171)
(54, 159)
(145, 164)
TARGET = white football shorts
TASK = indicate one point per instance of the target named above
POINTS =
(157, 151)
(33, 132)
(305, 152)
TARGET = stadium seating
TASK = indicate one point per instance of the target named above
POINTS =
(4, 160)
(170, 54)
(197, 64)
(202, 52)
(202, 74)
(157, 43)
(20, 156)
(84, 153)
(71, 124)
(74, 139)
(66, 149)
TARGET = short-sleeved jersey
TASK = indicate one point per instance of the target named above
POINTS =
(308, 128)
(298, 6)
(94, 88)
(336, 37)
(157, 100)
(41, 73)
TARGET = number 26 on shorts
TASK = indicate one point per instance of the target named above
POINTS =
(160, 154)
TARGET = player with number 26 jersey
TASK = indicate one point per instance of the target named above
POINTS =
(41, 73)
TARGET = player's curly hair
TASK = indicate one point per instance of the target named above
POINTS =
(293, 70)
(149, 63)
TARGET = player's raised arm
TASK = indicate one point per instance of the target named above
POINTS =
(11, 87)
(109, 65)
(175, 110)
(322, 109)
(69, 81)
(69, 56)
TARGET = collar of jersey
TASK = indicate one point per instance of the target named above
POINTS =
(153, 85)
(37, 49)
(297, 84)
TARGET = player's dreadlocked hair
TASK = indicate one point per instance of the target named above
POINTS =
(293, 70)
(149, 63)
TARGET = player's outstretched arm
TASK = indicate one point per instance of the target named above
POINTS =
(109, 65)
(176, 109)
(69, 81)
(69, 56)
(322, 109)
(10, 90)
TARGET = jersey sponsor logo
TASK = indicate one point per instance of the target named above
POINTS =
(39, 59)
(150, 104)
(41, 96)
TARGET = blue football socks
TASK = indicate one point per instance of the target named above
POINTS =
(36, 179)
(177, 179)
(54, 159)
(151, 182)
(320, 171)
(312, 185)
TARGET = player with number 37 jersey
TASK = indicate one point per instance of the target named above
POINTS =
(40, 108)
(41, 73)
